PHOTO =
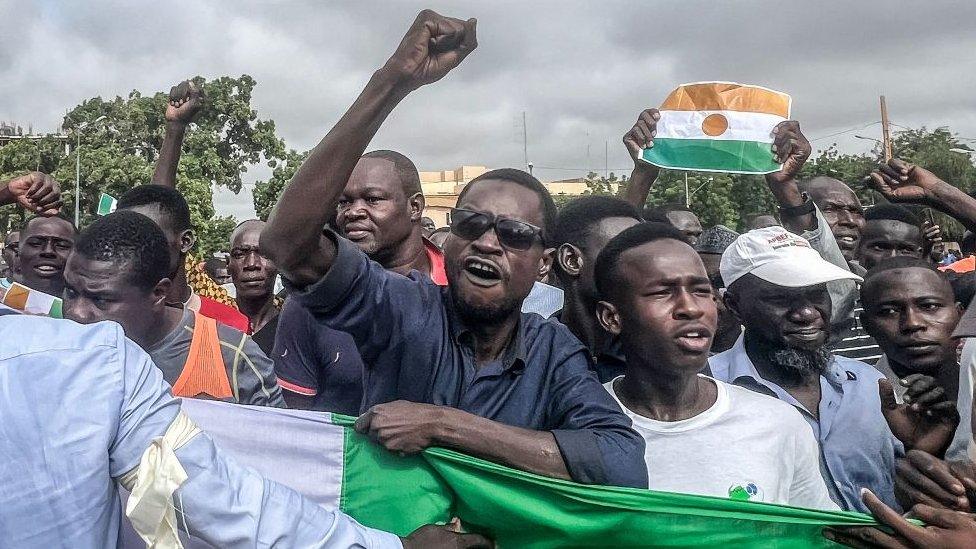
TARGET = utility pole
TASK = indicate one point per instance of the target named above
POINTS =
(885, 130)
(525, 144)
(687, 194)
(606, 159)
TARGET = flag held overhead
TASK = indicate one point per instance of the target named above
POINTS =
(718, 127)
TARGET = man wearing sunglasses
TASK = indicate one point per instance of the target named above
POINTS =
(457, 367)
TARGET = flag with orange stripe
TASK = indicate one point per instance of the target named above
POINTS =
(718, 127)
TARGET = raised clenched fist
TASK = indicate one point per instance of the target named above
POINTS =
(185, 102)
(431, 48)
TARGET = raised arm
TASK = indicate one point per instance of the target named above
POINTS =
(185, 102)
(899, 181)
(36, 192)
(641, 136)
(790, 148)
(293, 239)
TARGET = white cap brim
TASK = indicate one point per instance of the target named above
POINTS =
(793, 274)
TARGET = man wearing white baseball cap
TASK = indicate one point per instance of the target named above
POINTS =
(777, 286)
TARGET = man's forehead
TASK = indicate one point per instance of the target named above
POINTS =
(504, 198)
(662, 258)
(248, 234)
(94, 273)
(607, 228)
(49, 226)
(153, 212)
(831, 190)
(906, 283)
(378, 173)
(891, 229)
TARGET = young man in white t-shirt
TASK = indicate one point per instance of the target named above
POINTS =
(703, 436)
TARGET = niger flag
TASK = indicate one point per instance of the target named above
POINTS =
(718, 127)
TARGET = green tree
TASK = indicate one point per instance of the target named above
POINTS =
(266, 193)
(24, 155)
(119, 152)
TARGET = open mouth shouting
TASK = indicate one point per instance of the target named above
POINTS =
(482, 272)
(694, 339)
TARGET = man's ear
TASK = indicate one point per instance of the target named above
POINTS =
(187, 240)
(416, 204)
(608, 316)
(732, 304)
(160, 291)
(545, 264)
(570, 259)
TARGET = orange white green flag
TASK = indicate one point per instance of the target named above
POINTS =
(718, 127)
(25, 300)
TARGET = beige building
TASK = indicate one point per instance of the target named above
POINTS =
(441, 189)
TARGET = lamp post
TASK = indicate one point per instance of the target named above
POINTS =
(78, 130)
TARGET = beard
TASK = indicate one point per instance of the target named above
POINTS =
(492, 313)
(800, 362)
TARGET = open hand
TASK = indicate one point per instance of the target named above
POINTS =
(923, 478)
(641, 136)
(185, 102)
(432, 536)
(944, 528)
(431, 48)
(927, 421)
(791, 149)
(401, 426)
(36, 192)
(899, 181)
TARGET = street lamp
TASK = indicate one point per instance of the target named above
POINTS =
(77, 130)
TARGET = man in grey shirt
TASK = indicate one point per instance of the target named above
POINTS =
(119, 271)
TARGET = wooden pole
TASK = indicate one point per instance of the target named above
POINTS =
(885, 130)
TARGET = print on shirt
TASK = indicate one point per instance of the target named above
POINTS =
(748, 492)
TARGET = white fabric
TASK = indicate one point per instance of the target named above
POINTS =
(781, 257)
(152, 484)
(963, 446)
(745, 441)
(743, 126)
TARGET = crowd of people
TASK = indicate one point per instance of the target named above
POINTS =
(820, 359)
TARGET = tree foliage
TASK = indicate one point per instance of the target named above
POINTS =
(266, 193)
(119, 152)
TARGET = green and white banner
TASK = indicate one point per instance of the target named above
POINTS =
(106, 204)
(718, 127)
(319, 455)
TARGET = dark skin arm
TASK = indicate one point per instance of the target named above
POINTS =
(185, 102)
(926, 421)
(901, 182)
(36, 192)
(293, 239)
(791, 149)
(641, 136)
(408, 428)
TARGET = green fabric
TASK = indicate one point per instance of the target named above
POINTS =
(519, 509)
(714, 155)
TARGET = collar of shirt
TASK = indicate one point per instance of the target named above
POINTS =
(738, 369)
(438, 272)
(513, 357)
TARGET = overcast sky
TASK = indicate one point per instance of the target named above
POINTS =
(581, 71)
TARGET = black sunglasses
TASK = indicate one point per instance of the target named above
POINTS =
(513, 234)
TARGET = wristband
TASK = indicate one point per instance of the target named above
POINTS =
(796, 211)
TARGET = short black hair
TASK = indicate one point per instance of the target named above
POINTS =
(963, 286)
(29, 220)
(967, 245)
(659, 214)
(892, 212)
(405, 169)
(128, 237)
(523, 179)
(899, 262)
(605, 271)
(170, 202)
(212, 264)
(578, 216)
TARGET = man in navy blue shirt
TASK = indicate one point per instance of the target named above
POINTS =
(458, 367)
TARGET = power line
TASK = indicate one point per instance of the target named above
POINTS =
(849, 130)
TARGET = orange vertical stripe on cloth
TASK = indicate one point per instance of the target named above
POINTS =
(727, 97)
(16, 297)
(204, 372)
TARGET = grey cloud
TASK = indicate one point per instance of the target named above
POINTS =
(580, 70)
